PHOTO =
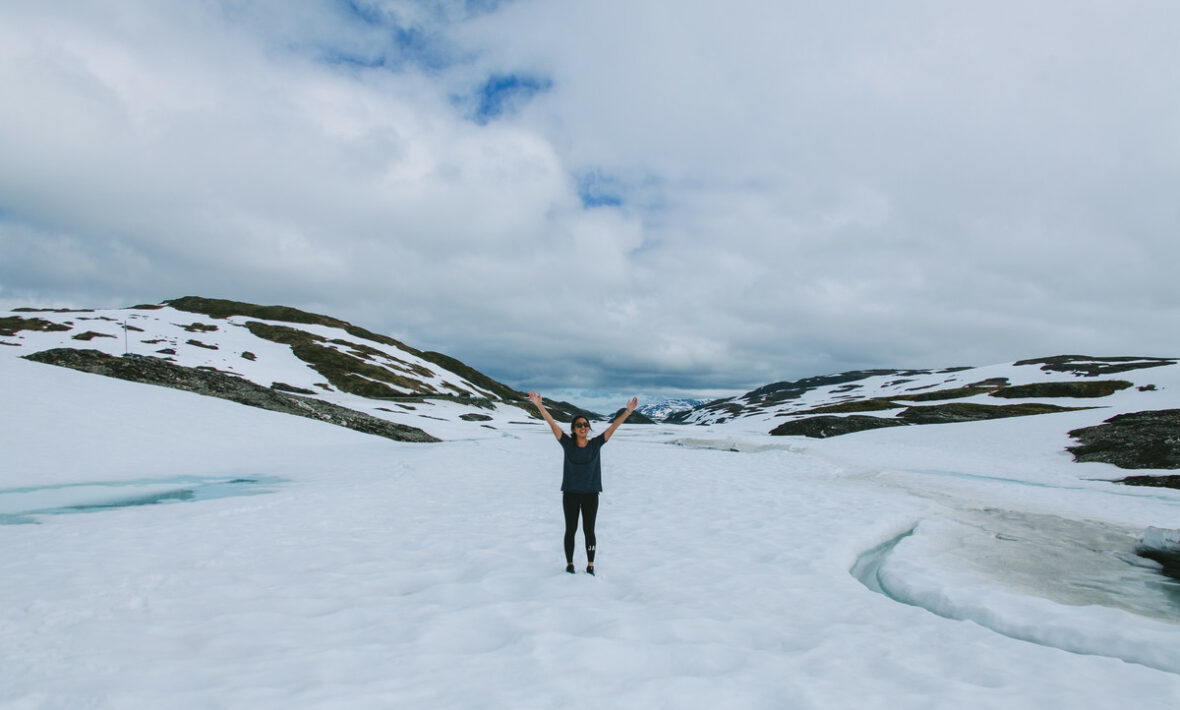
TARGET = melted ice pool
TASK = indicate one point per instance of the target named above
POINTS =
(1076, 585)
(24, 505)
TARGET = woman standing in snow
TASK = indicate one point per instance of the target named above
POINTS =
(581, 479)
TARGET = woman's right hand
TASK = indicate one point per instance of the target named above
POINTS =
(535, 398)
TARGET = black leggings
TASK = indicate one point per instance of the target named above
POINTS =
(587, 504)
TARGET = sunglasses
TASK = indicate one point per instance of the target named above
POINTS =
(581, 425)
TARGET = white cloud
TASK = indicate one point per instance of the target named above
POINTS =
(799, 189)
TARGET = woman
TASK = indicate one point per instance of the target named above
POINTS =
(581, 479)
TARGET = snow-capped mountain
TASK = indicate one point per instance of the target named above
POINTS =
(661, 410)
(277, 358)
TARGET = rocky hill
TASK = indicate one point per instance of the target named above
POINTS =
(1142, 394)
(278, 358)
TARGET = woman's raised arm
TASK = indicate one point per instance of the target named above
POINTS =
(535, 398)
(621, 418)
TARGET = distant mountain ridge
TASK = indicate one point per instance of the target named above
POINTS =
(1142, 392)
(1063, 376)
(316, 366)
(661, 410)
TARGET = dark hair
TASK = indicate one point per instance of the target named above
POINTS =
(575, 421)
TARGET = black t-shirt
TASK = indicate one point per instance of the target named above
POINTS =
(582, 472)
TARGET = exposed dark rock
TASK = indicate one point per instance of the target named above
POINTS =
(284, 387)
(1168, 559)
(53, 310)
(875, 404)
(1095, 366)
(215, 384)
(981, 387)
(200, 328)
(11, 325)
(1166, 481)
(166, 351)
(473, 417)
(91, 335)
(247, 355)
(1146, 388)
(199, 344)
(825, 426)
(1148, 439)
(1083, 388)
(970, 412)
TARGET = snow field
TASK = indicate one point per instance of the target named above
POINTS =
(411, 575)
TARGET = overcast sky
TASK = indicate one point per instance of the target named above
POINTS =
(609, 197)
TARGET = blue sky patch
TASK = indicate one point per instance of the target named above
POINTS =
(366, 12)
(353, 60)
(387, 43)
(598, 190)
(504, 94)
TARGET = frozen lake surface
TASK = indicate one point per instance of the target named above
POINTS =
(26, 505)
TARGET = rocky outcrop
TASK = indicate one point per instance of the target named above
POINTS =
(1149, 439)
(982, 387)
(1087, 366)
(11, 325)
(1151, 481)
(1082, 388)
(824, 426)
(874, 404)
(970, 412)
(212, 383)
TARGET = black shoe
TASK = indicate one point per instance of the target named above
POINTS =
(570, 568)
(589, 569)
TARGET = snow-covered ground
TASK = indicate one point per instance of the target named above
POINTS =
(354, 572)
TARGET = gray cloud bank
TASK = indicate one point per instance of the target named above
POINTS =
(611, 195)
